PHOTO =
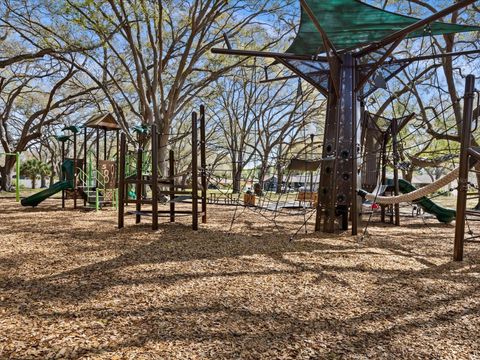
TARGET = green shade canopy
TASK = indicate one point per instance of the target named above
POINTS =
(62, 138)
(140, 129)
(351, 23)
(74, 129)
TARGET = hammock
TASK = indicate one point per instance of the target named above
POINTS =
(414, 195)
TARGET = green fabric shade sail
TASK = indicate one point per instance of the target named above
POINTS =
(351, 23)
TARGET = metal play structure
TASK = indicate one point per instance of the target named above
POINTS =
(152, 189)
(92, 179)
(344, 49)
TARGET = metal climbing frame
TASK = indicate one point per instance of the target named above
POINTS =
(344, 76)
(170, 188)
(468, 156)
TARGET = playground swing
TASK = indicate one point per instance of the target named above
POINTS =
(469, 156)
(345, 74)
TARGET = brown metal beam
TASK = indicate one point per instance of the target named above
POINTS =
(375, 66)
(464, 168)
(154, 178)
(303, 76)
(194, 171)
(396, 156)
(473, 151)
(425, 57)
(121, 181)
(275, 55)
(281, 78)
(332, 55)
(387, 79)
(400, 34)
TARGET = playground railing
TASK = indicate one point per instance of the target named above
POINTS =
(95, 179)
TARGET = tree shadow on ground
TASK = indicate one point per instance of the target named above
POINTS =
(232, 323)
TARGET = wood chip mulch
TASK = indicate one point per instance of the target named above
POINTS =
(74, 286)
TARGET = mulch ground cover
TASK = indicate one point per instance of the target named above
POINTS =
(74, 286)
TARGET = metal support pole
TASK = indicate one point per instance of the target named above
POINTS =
(138, 186)
(154, 178)
(62, 173)
(85, 150)
(358, 109)
(171, 176)
(117, 132)
(203, 163)
(104, 144)
(396, 207)
(327, 188)
(75, 170)
(311, 172)
(17, 177)
(194, 171)
(121, 182)
(97, 155)
(466, 129)
(384, 175)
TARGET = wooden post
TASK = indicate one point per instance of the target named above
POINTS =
(203, 163)
(395, 169)
(138, 186)
(194, 171)
(324, 206)
(466, 129)
(154, 180)
(384, 174)
(357, 120)
(171, 176)
(97, 157)
(118, 154)
(121, 182)
(63, 173)
(105, 144)
(75, 171)
(85, 150)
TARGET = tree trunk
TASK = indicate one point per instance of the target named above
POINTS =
(52, 173)
(163, 155)
(43, 181)
(34, 182)
(409, 175)
(5, 179)
(237, 168)
(237, 179)
(279, 178)
(6, 174)
(263, 172)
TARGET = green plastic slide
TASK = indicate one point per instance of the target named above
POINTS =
(443, 215)
(37, 198)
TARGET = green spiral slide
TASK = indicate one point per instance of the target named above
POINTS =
(37, 198)
(443, 215)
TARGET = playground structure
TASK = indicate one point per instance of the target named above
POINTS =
(353, 161)
(92, 179)
(376, 138)
(164, 189)
(352, 68)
